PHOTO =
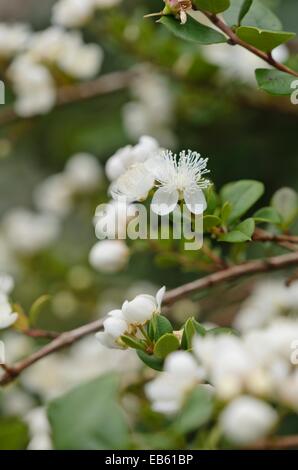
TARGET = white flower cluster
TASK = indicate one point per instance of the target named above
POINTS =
(82, 175)
(152, 109)
(75, 13)
(269, 300)
(133, 314)
(33, 71)
(26, 232)
(249, 375)
(7, 316)
(13, 38)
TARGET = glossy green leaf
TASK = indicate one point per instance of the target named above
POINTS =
(234, 237)
(258, 15)
(158, 326)
(132, 343)
(151, 361)
(89, 417)
(190, 329)
(165, 345)
(268, 215)
(210, 221)
(275, 82)
(285, 201)
(264, 40)
(214, 6)
(226, 211)
(242, 195)
(192, 30)
(247, 227)
(37, 307)
(244, 9)
(197, 411)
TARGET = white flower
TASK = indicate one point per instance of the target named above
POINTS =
(109, 255)
(247, 419)
(72, 13)
(134, 184)
(6, 284)
(7, 316)
(54, 195)
(13, 38)
(112, 218)
(29, 232)
(142, 307)
(118, 163)
(177, 180)
(47, 45)
(114, 327)
(169, 390)
(33, 85)
(83, 172)
(80, 60)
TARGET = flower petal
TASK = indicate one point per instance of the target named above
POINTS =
(164, 202)
(159, 296)
(195, 201)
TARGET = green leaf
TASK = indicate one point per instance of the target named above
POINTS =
(191, 328)
(258, 15)
(234, 237)
(158, 326)
(247, 227)
(37, 307)
(264, 40)
(275, 82)
(14, 434)
(285, 201)
(210, 221)
(133, 343)
(214, 6)
(223, 331)
(246, 4)
(151, 361)
(192, 30)
(89, 417)
(268, 215)
(197, 411)
(165, 345)
(226, 211)
(242, 195)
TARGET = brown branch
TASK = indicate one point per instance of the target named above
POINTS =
(233, 272)
(278, 443)
(263, 236)
(234, 39)
(69, 94)
(34, 333)
(63, 340)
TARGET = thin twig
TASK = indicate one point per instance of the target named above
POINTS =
(234, 39)
(63, 340)
(233, 272)
(103, 85)
(278, 443)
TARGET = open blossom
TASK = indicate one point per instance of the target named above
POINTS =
(13, 38)
(142, 307)
(179, 179)
(247, 419)
(118, 163)
(169, 390)
(109, 256)
(134, 184)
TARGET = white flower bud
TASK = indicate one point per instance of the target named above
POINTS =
(7, 316)
(109, 255)
(6, 283)
(83, 172)
(115, 327)
(142, 307)
(247, 419)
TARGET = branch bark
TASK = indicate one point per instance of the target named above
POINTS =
(103, 85)
(276, 443)
(235, 40)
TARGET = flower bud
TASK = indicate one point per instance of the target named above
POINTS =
(109, 256)
(142, 307)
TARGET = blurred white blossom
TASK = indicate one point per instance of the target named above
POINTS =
(109, 256)
(83, 172)
(13, 38)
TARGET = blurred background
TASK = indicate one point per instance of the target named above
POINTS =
(178, 93)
